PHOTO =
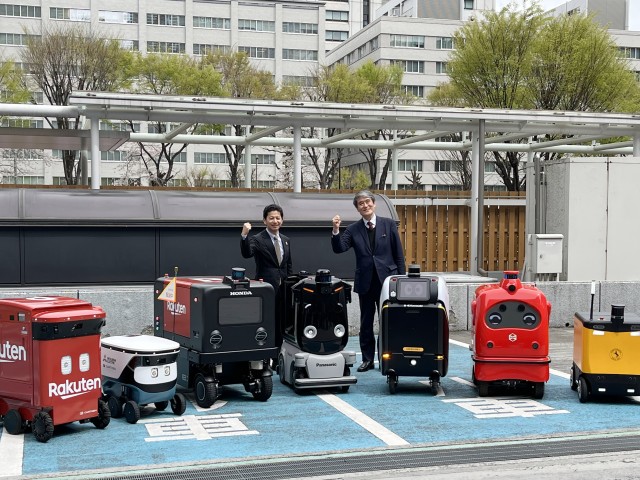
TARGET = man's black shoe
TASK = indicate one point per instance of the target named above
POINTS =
(366, 365)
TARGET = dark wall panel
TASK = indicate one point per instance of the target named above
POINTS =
(200, 251)
(89, 255)
(9, 255)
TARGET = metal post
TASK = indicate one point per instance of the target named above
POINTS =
(530, 219)
(95, 153)
(636, 144)
(84, 170)
(474, 203)
(394, 164)
(247, 167)
(297, 159)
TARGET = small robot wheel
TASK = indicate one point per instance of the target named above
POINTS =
(346, 373)
(13, 422)
(538, 390)
(206, 391)
(265, 389)
(281, 371)
(297, 373)
(115, 406)
(583, 390)
(178, 404)
(161, 406)
(483, 389)
(104, 415)
(42, 426)
(392, 380)
(131, 411)
(572, 379)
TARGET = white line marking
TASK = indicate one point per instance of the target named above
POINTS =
(462, 381)
(458, 343)
(11, 454)
(383, 433)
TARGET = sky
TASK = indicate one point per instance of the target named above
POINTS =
(634, 9)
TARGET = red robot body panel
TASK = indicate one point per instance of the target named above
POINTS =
(50, 363)
(510, 332)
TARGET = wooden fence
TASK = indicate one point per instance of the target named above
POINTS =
(436, 237)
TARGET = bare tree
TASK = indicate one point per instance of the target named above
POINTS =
(63, 59)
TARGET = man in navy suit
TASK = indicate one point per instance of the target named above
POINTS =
(376, 243)
(272, 253)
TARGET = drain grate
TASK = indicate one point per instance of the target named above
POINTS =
(396, 459)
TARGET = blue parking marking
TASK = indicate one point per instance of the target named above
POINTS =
(290, 424)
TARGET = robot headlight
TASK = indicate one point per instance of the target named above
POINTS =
(339, 331)
(167, 370)
(154, 372)
(310, 332)
(495, 319)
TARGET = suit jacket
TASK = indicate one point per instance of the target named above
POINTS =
(387, 258)
(262, 249)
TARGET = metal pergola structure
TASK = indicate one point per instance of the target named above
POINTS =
(489, 129)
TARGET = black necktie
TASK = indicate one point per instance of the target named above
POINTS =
(372, 235)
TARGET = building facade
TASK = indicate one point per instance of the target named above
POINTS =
(288, 38)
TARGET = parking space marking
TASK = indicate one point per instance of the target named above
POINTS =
(462, 381)
(383, 433)
(11, 454)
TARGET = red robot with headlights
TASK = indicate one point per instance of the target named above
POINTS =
(510, 342)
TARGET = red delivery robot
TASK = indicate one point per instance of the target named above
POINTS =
(510, 342)
(50, 372)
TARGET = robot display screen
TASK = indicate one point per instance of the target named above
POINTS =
(413, 289)
(240, 310)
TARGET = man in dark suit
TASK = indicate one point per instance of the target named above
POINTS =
(376, 243)
(272, 253)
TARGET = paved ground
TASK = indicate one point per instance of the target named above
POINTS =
(240, 430)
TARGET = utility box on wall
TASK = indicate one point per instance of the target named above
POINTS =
(546, 250)
(590, 200)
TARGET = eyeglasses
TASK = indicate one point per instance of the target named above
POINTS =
(362, 203)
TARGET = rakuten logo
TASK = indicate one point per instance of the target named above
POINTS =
(12, 353)
(176, 308)
(73, 389)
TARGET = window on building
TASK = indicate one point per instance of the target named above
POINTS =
(113, 156)
(446, 188)
(107, 16)
(415, 90)
(409, 41)
(204, 49)
(337, 16)
(265, 184)
(23, 180)
(73, 14)
(410, 66)
(119, 126)
(631, 52)
(220, 183)
(212, 22)
(443, 165)
(468, 4)
(336, 36)
(444, 43)
(165, 20)
(441, 67)
(13, 39)
(26, 11)
(292, 54)
(302, 28)
(489, 167)
(165, 47)
(256, 25)
(409, 165)
(301, 81)
(263, 159)
(131, 45)
(258, 52)
(209, 157)
(495, 188)
(21, 123)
